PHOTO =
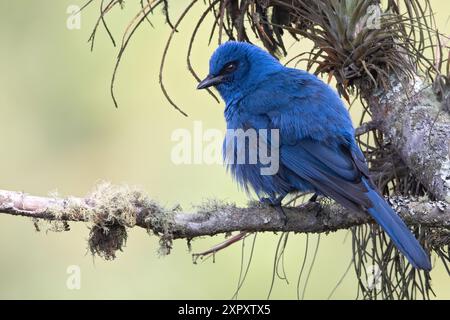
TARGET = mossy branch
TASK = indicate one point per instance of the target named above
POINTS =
(418, 126)
(111, 209)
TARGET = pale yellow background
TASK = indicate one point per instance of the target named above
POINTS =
(60, 131)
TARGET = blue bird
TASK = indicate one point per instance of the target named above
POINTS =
(318, 152)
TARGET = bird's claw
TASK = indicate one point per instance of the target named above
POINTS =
(276, 204)
(283, 215)
(310, 206)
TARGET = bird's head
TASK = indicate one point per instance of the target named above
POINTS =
(236, 67)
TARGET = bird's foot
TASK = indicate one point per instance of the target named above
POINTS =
(310, 204)
(282, 214)
(276, 204)
(272, 201)
(313, 198)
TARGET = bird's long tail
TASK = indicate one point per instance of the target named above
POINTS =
(399, 233)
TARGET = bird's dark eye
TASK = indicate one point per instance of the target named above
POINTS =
(229, 67)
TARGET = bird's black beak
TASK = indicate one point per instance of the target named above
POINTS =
(210, 81)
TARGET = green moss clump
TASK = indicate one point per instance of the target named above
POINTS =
(112, 209)
(106, 241)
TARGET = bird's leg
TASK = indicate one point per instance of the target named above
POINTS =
(283, 215)
(311, 203)
(274, 201)
(276, 204)
(313, 198)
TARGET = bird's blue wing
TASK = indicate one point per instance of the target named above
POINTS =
(331, 170)
(340, 172)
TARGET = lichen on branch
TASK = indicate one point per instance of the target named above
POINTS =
(111, 210)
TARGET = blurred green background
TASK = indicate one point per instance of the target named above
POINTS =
(60, 131)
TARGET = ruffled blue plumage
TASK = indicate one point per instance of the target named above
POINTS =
(317, 149)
